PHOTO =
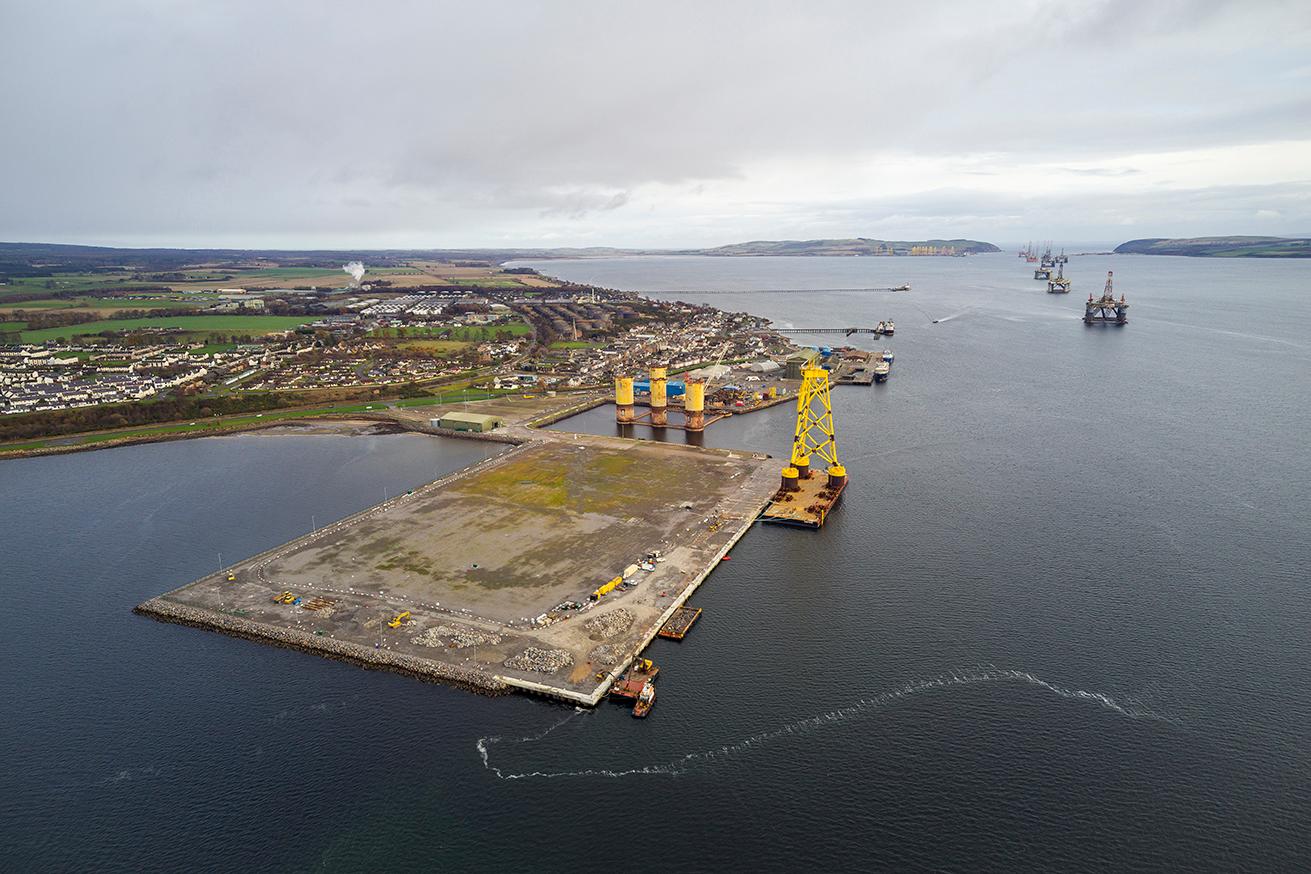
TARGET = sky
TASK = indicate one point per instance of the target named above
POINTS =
(639, 124)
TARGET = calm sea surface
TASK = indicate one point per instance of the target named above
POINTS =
(1061, 620)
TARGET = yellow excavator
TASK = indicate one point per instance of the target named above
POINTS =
(400, 618)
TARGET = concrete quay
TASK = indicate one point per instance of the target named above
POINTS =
(494, 564)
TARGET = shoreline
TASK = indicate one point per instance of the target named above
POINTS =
(139, 439)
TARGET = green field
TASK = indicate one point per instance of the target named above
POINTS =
(118, 303)
(211, 348)
(41, 305)
(71, 282)
(195, 324)
(573, 344)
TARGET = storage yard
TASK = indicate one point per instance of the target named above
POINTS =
(485, 577)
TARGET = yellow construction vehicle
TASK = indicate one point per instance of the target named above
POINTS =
(607, 588)
(644, 666)
(400, 618)
(231, 576)
(284, 598)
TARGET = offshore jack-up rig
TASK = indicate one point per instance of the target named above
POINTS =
(1106, 310)
(805, 497)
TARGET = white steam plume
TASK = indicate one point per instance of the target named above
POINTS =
(356, 270)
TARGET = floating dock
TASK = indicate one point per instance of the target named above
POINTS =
(678, 625)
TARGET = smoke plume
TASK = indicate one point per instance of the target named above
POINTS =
(356, 270)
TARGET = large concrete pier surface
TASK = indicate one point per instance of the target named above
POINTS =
(492, 565)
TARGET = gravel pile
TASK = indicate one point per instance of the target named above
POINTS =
(544, 661)
(604, 626)
(455, 636)
(607, 654)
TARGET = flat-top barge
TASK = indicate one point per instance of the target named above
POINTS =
(678, 625)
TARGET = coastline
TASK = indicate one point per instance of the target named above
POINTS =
(164, 437)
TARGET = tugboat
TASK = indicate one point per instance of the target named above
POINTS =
(645, 700)
(887, 355)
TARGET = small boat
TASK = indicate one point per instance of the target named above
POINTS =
(645, 700)
(726, 558)
(889, 328)
(887, 355)
(902, 288)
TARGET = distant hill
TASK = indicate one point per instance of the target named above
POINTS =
(1221, 247)
(20, 259)
(854, 246)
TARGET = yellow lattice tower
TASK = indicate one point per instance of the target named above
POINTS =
(815, 433)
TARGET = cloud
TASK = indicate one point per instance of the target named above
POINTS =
(451, 123)
(1101, 171)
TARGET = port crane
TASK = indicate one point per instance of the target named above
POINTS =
(714, 368)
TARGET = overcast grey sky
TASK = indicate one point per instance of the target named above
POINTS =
(398, 124)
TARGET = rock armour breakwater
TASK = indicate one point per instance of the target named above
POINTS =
(375, 659)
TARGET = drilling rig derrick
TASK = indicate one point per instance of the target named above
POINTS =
(1106, 310)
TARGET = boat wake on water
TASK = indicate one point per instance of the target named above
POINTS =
(942, 319)
(682, 764)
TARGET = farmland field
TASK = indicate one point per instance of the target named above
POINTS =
(195, 324)
(89, 282)
(105, 304)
